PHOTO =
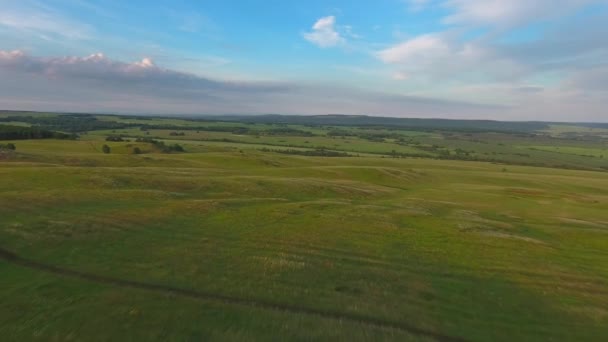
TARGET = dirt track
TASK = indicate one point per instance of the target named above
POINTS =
(360, 319)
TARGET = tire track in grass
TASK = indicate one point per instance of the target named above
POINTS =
(15, 259)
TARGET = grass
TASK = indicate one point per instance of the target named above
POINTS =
(226, 242)
(578, 151)
(574, 129)
(351, 144)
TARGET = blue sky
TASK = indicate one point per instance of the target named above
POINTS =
(495, 59)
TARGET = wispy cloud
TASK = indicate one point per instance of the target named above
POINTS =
(103, 11)
(37, 19)
(195, 22)
(503, 14)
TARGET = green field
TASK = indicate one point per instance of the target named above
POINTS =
(228, 242)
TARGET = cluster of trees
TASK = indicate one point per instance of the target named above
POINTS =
(395, 154)
(76, 123)
(240, 130)
(106, 149)
(286, 131)
(73, 123)
(224, 129)
(313, 153)
(116, 138)
(8, 132)
(445, 153)
(371, 136)
(161, 145)
(9, 146)
(341, 133)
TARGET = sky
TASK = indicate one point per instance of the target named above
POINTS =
(462, 59)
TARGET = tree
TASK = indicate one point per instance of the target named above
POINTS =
(9, 146)
(106, 149)
(114, 138)
(177, 148)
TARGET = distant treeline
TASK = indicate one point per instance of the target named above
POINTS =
(311, 153)
(83, 122)
(86, 122)
(375, 137)
(281, 131)
(603, 125)
(404, 123)
(225, 129)
(8, 132)
(74, 123)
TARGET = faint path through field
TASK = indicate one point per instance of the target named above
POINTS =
(371, 321)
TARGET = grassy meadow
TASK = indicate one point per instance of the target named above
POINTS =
(227, 241)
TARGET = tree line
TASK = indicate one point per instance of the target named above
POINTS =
(8, 132)
(73, 123)
(162, 146)
(320, 152)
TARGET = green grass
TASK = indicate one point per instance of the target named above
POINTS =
(350, 144)
(571, 128)
(579, 151)
(305, 248)
(15, 123)
(583, 146)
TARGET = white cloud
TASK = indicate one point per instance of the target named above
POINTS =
(566, 61)
(559, 45)
(324, 33)
(145, 63)
(443, 57)
(9, 56)
(417, 50)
